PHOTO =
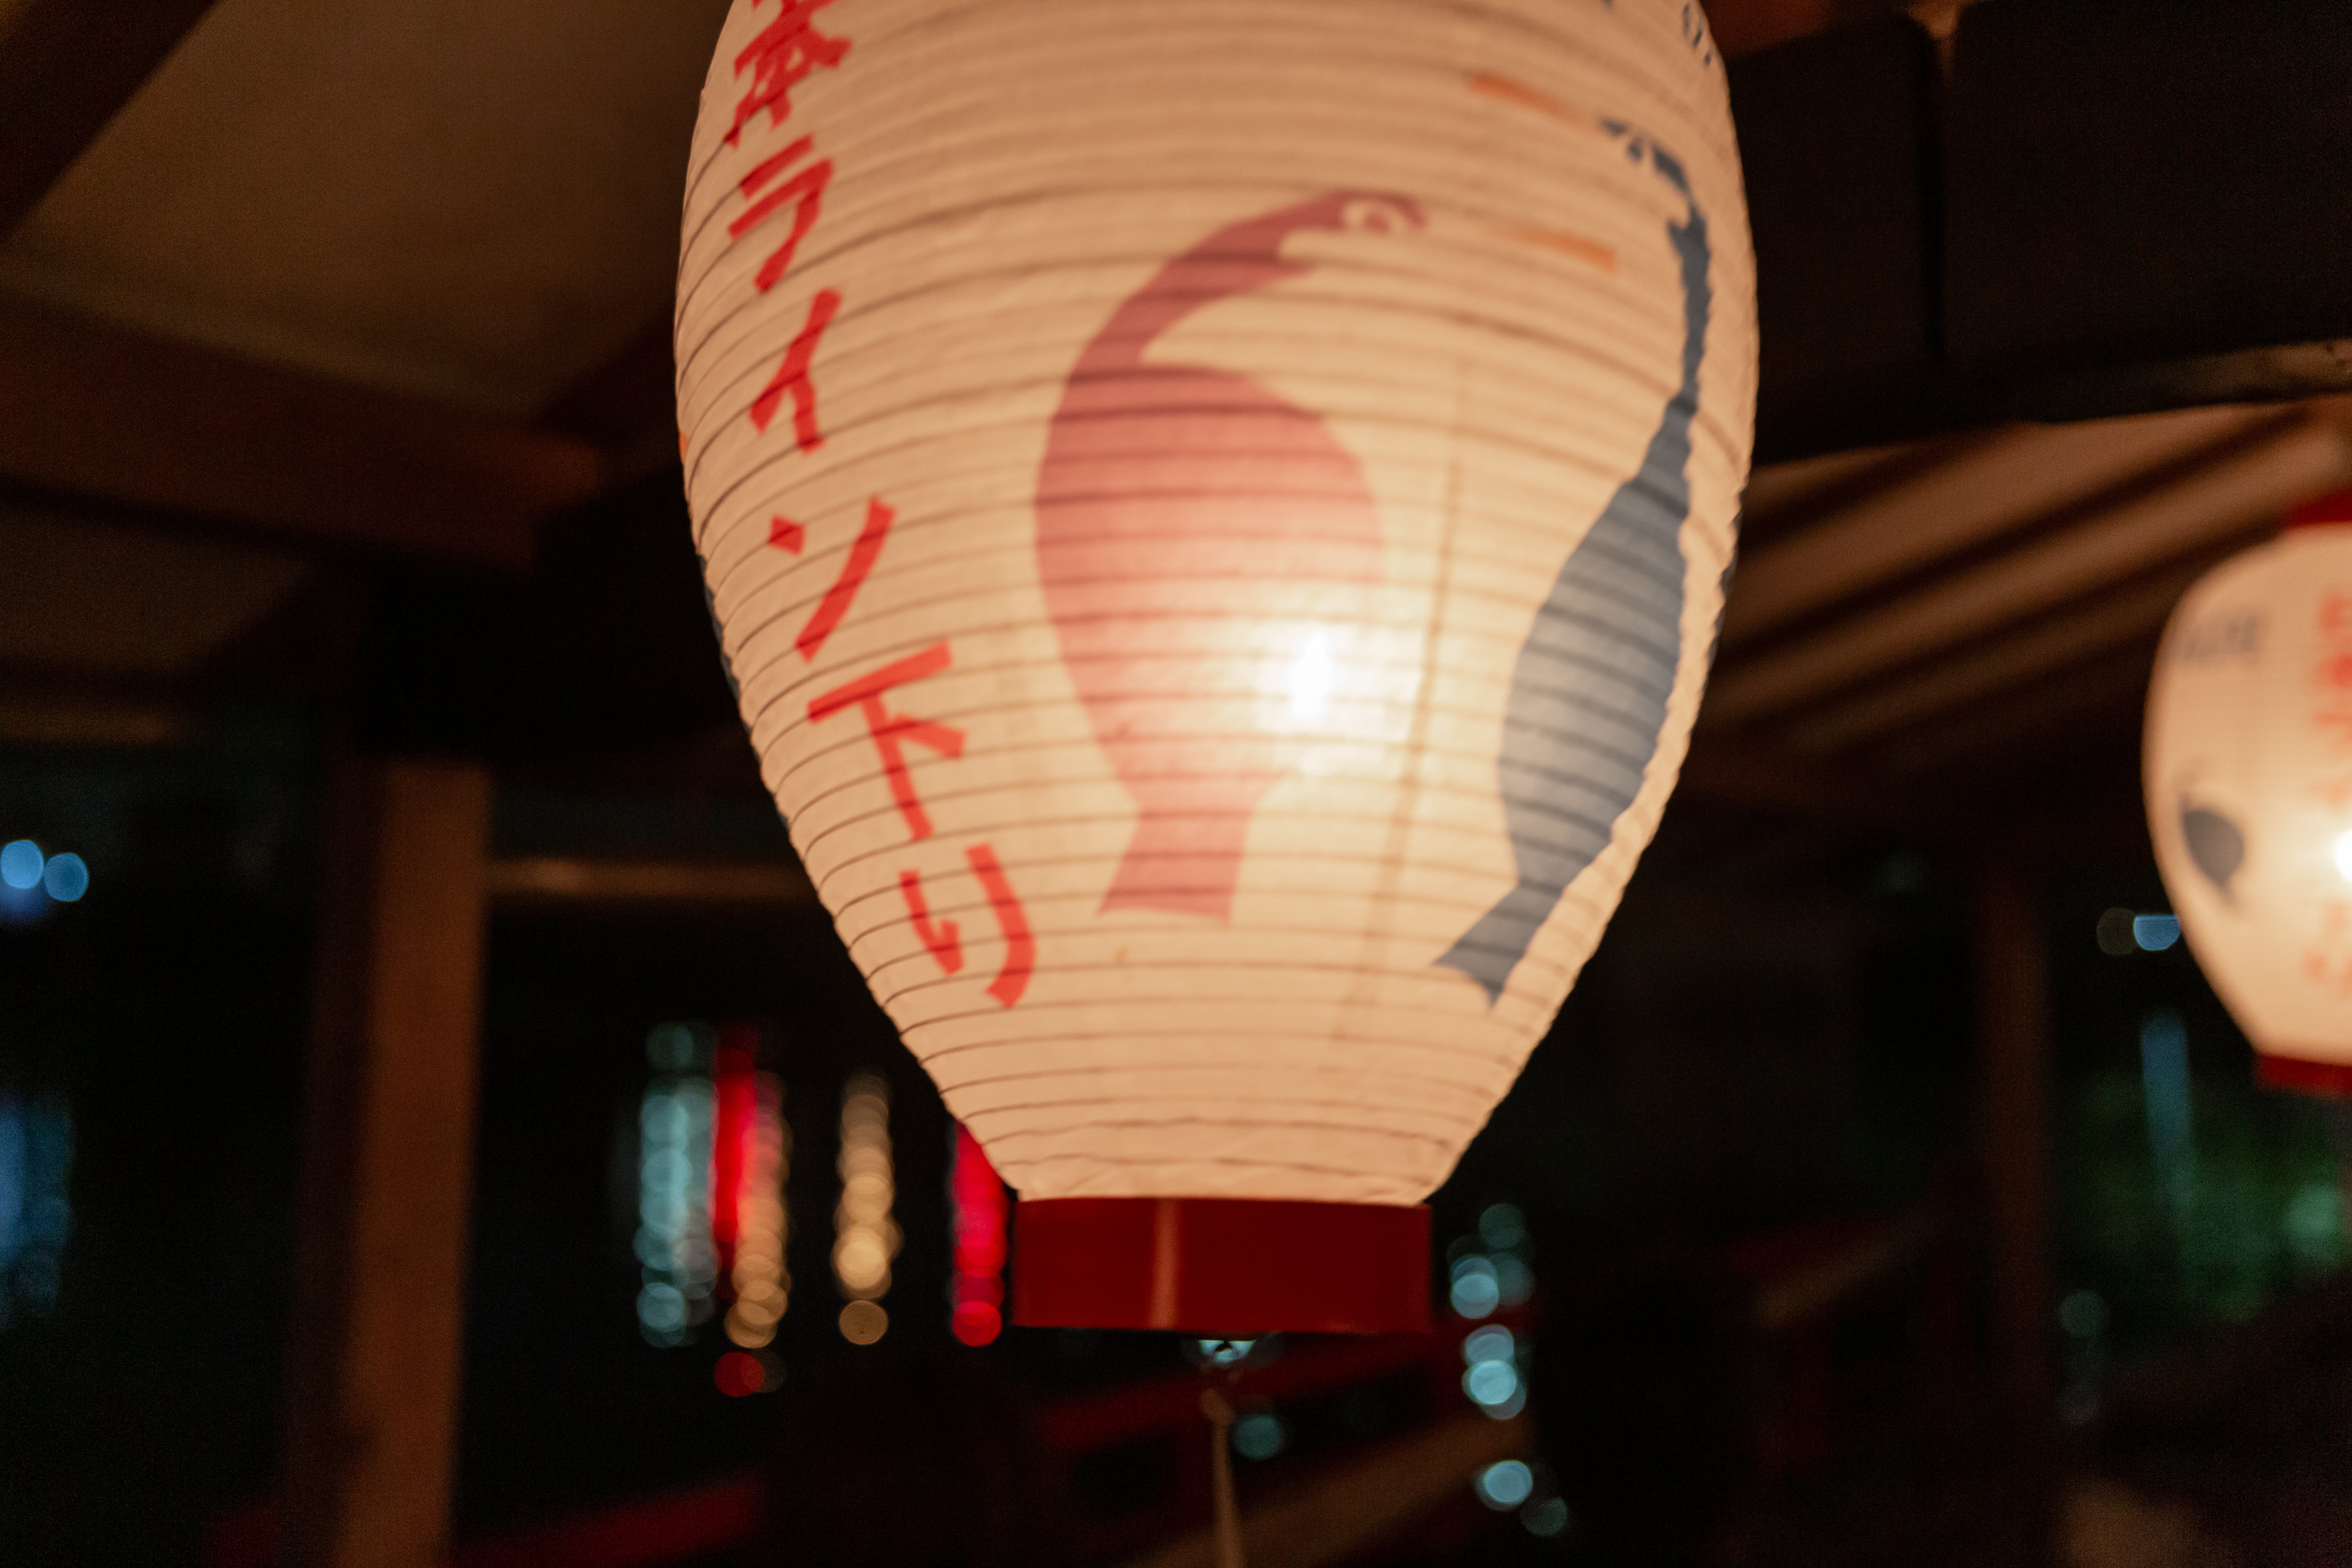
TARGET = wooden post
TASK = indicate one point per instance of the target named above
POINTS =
(2014, 1058)
(374, 1349)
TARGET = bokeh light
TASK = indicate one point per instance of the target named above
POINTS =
(739, 1373)
(66, 877)
(1503, 1228)
(2155, 934)
(20, 865)
(2114, 932)
(1260, 1435)
(1504, 1485)
(1545, 1517)
(1491, 1383)
(863, 1322)
(1491, 1377)
(1477, 1291)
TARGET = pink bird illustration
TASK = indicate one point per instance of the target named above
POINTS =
(1181, 511)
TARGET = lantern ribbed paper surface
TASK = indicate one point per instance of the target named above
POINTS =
(2249, 782)
(1217, 512)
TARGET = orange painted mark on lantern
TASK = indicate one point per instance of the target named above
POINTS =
(892, 731)
(1486, 84)
(939, 937)
(793, 376)
(1575, 246)
(838, 598)
(779, 58)
(786, 535)
(804, 193)
(1020, 947)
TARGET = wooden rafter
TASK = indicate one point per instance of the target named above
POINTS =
(2026, 473)
(96, 411)
(66, 67)
(2214, 503)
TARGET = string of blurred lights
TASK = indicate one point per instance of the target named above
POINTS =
(749, 1217)
(977, 1204)
(674, 1244)
(865, 1237)
(1489, 1273)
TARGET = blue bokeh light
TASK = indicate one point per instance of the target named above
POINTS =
(1474, 1293)
(66, 877)
(1260, 1436)
(1504, 1485)
(1491, 1383)
(1546, 1518)
(2153, 933)
(20, 865)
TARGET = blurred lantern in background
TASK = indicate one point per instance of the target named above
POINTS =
(2249, 783)
(1217, 514)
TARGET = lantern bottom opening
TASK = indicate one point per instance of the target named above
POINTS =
(1230, 1267)
(2331, 1080)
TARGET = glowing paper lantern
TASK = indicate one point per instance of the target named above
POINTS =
(1217, 512)
(2249, 781)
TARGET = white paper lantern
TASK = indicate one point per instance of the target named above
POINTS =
(2249, 782)
(1217, 512)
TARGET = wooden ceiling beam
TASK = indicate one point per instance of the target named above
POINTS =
(1983, 492)
(101, 412)
(2130, 615)
(66, 67)
(2213, 504)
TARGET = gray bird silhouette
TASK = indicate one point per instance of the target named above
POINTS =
(1588, 693)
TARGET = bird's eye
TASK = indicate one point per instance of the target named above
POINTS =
(1371, 216)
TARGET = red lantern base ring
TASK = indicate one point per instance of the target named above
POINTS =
(2330, 1080)
(1230, 1267)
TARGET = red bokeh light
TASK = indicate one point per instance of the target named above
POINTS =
(738, 1373)
(977, 1324)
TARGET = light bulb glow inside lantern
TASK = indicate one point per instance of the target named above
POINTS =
(1218, 549)
(2248, 773)
(1310, 681)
